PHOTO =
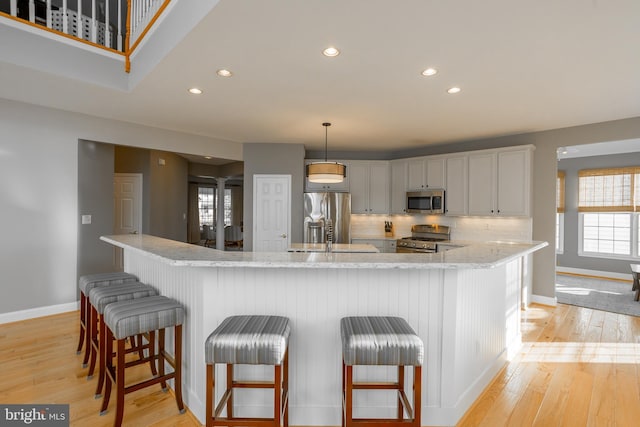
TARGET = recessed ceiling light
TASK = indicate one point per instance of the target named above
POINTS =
(224, 73)
(208, 157)
(195, 91)
(453, 90)
(331, 51)
(429, 72)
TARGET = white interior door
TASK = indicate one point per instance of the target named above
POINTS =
(271, 212)
(127, 208)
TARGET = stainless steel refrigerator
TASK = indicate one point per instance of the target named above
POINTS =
(321, 207)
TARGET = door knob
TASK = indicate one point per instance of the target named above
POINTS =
(284, 236)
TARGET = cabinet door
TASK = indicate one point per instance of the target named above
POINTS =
(456, 186)
(379, 187)
(415, 175)
(435, 172)
(513, 183)
(482, 184)
(398, 186)
(359, 187)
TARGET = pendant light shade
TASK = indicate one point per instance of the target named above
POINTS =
(326, 172)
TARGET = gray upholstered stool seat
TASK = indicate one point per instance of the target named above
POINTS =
(85, 284)
(99, 298)
(382, 341)
(253, 340)
(138, 316)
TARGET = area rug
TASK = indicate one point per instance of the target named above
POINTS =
(599, 294)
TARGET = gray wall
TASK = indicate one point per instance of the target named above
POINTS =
(39, 198)
(169, 185)
(165, 189)
(95, 198)
(277, 159)
(570, 257)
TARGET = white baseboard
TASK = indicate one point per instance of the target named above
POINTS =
(539, 299)
(597, 273)
(32, 313)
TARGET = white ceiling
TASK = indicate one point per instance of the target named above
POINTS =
(522, 65)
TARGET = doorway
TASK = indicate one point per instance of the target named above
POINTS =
(271, 212)
(127, 209)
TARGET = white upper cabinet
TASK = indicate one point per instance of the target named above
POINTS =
(369, 187)
(500, 182)
(456, 194)
(425, 172)
(399, 186)
(313, 186)
(482, 183)
(514, 182)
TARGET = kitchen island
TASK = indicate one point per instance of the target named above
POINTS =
(463, 303)
(335, 247)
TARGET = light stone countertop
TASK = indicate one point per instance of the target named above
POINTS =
(336, 247)
(474, 255)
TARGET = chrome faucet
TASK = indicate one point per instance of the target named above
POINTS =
(328, 228)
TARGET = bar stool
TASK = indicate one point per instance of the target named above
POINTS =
(381, 341)
(138, 316)
(85, 284)
(251, 340)
(99, 298)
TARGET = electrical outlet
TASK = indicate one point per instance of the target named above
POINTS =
(86, 219)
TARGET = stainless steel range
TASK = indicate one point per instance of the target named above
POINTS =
(424, 239)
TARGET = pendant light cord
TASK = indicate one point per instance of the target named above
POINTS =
(326, 133)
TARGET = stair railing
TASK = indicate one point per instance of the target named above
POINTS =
(122, 35)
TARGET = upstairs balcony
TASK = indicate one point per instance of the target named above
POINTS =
(112, 43)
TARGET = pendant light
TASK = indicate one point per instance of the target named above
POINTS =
(326, 172)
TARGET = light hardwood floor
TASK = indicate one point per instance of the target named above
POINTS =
(578, 367)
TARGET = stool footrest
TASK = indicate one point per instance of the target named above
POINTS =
(253, 384)
(376, 386)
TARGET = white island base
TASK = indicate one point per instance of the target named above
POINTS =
(467, 314)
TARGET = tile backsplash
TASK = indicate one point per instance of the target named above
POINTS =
(462, 228)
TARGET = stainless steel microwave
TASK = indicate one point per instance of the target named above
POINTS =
(426, 202)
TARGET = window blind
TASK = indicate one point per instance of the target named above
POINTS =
(560, 192)
(608, 190)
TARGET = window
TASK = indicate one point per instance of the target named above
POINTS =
(560, 212)
(608, 204)
(607, 233)
(207, 203)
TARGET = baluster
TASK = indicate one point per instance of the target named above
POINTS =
(120, 25)
(80, 23)
(32, 11)
(13, 7)
(49, 18)
(65, 17)
(107, 29)
(94, 23)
